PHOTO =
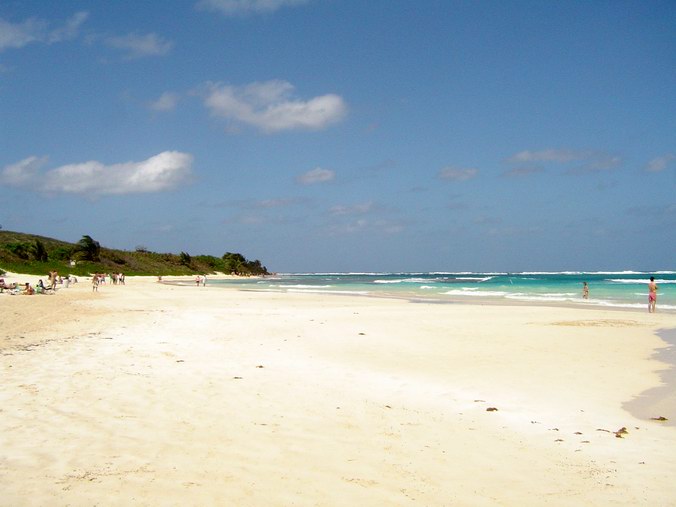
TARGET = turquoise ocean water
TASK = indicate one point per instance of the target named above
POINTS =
(626, 289)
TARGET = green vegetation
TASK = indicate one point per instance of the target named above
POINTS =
(30, 254)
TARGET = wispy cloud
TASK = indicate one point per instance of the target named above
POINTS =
(239, 7)
(140, 46)
(23, 172)
(659, 164)
(159, 173)
(166, 102)
(364, 225)
(18, 35)
(355, 209)
(458, 174)
(270, 106)
(548, 156)
(69, 30)
(317, 175)
(575, 161)
(513, 231)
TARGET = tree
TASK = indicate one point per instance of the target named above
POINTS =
(61, 253)
(185, 259)
(19, 249)
(234, 262)
(88, 249)
(38, 251)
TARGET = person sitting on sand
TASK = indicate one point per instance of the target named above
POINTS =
(652, 295)
(28, 290)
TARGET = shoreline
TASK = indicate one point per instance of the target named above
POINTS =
(346, 285)
(149, 392)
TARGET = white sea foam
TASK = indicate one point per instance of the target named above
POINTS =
(641, 281)
(474, 292)
(312, 291)
(475, 278)
(403, 280)
(542, 297)
(300, 286)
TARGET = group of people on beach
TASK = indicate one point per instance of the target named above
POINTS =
(40, 288)
(100, 278)
(652, 293)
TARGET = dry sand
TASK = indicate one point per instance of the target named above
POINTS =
(151, 394)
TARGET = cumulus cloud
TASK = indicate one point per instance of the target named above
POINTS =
(18, 35)
(237, 7)
(458, 174)
(140, 46)
(159, 173)
(317, 175)
(166, 102)
(270, 106)
(660, 163)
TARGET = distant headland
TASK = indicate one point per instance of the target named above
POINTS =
(32, 254)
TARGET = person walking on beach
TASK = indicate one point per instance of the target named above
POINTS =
(585, 290)
(95, 283)
(652, 295)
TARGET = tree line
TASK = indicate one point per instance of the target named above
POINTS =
(87, 255)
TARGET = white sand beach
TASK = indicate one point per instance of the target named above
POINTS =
(152, 394)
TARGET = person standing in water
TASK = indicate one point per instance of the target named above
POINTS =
(585, 290)
(652, 295)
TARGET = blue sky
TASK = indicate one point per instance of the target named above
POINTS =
(346, 135)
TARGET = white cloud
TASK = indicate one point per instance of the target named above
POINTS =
(660, 163)
(159, 173)
(602, 163)
(235, 7)
(456, 174)
(548, 156)
(317, 175)
(589, 161)
(166, 102)
(270, 107)
(22, 172)
(70, 30)
(18, 35)
(379, 227)
(274, 203)
(21, 34)
(139, 46)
